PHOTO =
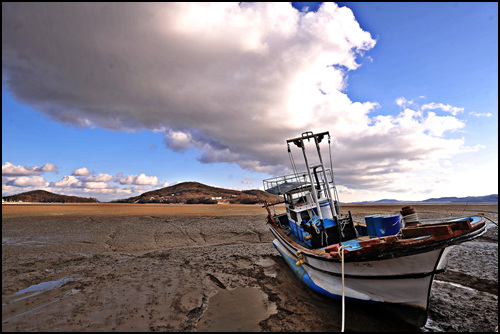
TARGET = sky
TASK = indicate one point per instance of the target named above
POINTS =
(110, 100)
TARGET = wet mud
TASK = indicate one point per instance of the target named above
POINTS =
(214, 271)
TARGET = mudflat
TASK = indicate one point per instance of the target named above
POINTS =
(154, 267)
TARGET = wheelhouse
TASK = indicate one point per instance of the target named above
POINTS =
(313, 212)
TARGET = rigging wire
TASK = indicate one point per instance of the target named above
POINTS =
(331, 171)
(291, 160)
(491, 220)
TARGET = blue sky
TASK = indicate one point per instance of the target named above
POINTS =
(110, 101)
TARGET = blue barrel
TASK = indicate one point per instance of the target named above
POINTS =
(378, 225)
(370, 225)
(328, 222)
(392, 224)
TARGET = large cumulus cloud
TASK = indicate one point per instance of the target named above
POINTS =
(233, 80)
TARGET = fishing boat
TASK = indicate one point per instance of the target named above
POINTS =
(389, 259)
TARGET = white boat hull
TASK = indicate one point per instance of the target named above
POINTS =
(402, 281)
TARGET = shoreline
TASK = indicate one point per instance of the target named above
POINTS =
(10, 210)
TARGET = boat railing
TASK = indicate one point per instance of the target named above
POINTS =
(292, 182)
(281, 184)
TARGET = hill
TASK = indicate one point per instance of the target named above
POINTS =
(198, 193)
(42, 196)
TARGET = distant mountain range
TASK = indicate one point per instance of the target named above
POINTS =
(470, 199)
(198, 193)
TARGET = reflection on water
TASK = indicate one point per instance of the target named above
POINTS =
(269, 267)
(238, 310)
(45, 285)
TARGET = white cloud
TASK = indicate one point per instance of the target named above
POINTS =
(141, 179)
(96, 185)
(48, 167)
(68, 181)
(438, 125)
(486, 114)
(81, 183)
(403, 102)
(9, 169)
(248, 182)
(90, 185)
(164, 185)
(96, 178)
(178, 140)
(445, 107)
(81, 171)
(28, 181)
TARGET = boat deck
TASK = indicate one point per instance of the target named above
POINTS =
(287, 230)
(414, 234)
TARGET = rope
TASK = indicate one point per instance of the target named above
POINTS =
(315, 222)
(341, 251)
(465, 207)
(491, 220)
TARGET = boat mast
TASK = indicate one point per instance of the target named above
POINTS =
(327, 185)
(300, 143)
(317, 139)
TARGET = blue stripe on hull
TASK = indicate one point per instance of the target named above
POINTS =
(413, 315)
(304, 276)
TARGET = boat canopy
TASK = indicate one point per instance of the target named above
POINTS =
(286, 187)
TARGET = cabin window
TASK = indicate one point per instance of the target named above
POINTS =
(301, 200)
(293, 215)
(305, 216)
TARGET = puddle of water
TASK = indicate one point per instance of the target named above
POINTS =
(265, 262)
(45, 286)
(20, 241)
(270, 272)
(269, 267)
(238, 310)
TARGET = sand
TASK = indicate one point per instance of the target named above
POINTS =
(126, 267)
